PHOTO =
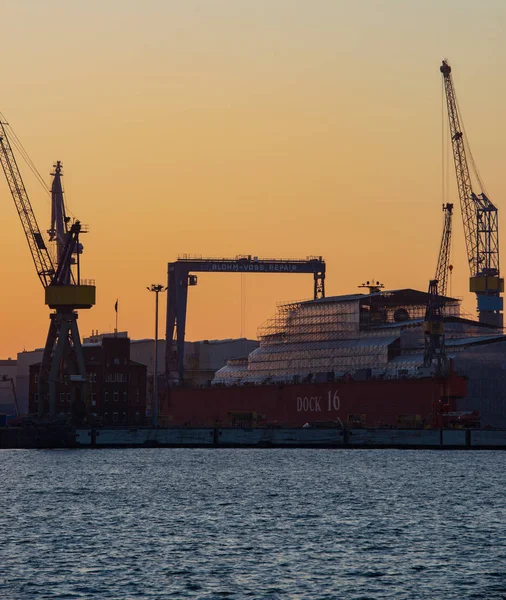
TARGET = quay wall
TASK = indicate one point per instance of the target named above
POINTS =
(292, 437)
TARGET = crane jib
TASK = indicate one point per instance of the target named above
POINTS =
(40, 254)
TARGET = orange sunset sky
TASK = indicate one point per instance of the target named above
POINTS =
(280, 128)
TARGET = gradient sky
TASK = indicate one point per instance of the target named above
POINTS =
(280, 128)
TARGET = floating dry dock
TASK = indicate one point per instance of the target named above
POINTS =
(236, 437)
(291, 438)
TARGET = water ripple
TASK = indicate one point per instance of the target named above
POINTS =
(234, 524)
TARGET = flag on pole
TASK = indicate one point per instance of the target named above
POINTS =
(116, 309)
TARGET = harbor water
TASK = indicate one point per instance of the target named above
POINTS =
(252, 523)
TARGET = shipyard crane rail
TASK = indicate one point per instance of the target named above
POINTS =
(63, 358)
(443, 261)
(479, 217)
(180, 277)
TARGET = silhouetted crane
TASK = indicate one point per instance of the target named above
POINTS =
(63, 359)
(479, 217)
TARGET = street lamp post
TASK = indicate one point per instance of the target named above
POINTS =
(157, 288)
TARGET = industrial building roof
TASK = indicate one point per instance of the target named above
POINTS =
(474, 341)
(407, 295)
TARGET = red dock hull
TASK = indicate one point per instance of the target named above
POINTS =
(373, 403)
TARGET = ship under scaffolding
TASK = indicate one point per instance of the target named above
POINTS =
(378, 334)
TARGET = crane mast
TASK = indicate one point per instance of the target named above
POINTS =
(38, 248)
(443, 261)
(479, 217)
(433, 328)
(59, 220)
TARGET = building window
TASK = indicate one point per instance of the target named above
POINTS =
(125, 397)
(36, 378)
(36, 398)
(137, 416)
(93, 399)
(115, 417)
(62, 397)
(106, 396)
(68, 397)
(117, 378)
(116, 361)
(115, 396)
(138, 396)
(94, 378)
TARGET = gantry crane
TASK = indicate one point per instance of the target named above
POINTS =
(65, 293)
(181, 277)
(479, 217)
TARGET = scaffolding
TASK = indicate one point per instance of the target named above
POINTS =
(311, 321)
(380, 334)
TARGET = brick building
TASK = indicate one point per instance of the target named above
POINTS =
(116, 386)
(7, 391)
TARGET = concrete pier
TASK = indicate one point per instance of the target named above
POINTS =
(292, 438)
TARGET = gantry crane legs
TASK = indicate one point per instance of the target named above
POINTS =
(181, 276)
(63, 343)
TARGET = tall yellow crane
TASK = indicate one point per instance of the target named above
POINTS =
(479, 216)
(65, 292)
